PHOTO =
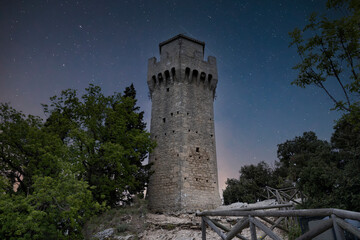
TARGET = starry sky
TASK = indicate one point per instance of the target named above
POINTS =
(47, 46)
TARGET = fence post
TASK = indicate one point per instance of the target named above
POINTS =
(339, 233)
(203, 229)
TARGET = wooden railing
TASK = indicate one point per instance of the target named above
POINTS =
(256, 218)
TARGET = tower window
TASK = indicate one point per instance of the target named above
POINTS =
(154, 79)
(173, 131)
(197, 149)
(173, 72)
(164, 120)
(211, 135)
(209, 77)
(167, 89)
(188, 114)
(177, 112)
(189, 130)
(167, 75)
(194, 75)
(202, 76)
(187, 72)
(165, 134)
(171, 114)
(160, 77)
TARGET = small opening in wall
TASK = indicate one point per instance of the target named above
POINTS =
(211, 135)
(202, 76)
(190, 156)
(167, 75)
(184, 178)
(173, 131)
(194, 75)
(207, 159)
(189, 130)
(171, 114)
(187, 72)
(209, 77)
(173, 72)
(155, 159)
(214, 182)
(196, 179)
(167, 89)
(207, 180)
(177, 154)
(164, 119)
(187, 113)
(197, 149)
(154, 79)
(177, 112)
(165, 134)
(210, 119)
(196, 131)
(155, 136)
(200, 157)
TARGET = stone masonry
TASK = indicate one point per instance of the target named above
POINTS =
(182, 89)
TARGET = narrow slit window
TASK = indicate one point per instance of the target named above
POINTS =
(197, 149)
(168, 89)
(164, 120)
(171, 114)
(187, 72)
(202, 76)
(173, 72)
(167, 75)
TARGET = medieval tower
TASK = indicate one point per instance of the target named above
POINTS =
(182, 89)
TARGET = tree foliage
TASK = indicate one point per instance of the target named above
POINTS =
(250, 187)
(107, 140)
(332, 53)
(56, 174)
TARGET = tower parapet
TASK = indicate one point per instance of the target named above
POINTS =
(182, 88)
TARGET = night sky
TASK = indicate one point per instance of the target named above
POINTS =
(49, 46)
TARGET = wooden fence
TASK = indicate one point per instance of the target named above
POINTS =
(250, 217)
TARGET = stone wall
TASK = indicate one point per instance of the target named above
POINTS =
(182, 88)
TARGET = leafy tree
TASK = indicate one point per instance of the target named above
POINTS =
(40, 197)
(332, 53)
(250, 186)
(57, 209)
(107, 140)
(26, 150)
(295, 154)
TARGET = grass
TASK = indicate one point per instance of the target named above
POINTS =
(124, 219)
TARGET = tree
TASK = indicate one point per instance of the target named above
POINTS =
(40, 197)
(26, 150)
(332, 53)
(251, 184)
(295, 154)
(107, 140)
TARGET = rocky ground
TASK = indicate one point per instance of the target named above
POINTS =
(138, 224)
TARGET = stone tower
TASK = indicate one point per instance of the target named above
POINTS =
(182, 89)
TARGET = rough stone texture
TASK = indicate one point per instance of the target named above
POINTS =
(182, 88)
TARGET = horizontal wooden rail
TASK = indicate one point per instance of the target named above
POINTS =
(335, 221)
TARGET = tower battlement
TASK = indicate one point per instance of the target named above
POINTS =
(182, 87)
(182, 59)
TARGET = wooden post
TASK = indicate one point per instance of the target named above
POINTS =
(326, 224)
(348, 227)
(203, 229)
(252, 229)
(213, 226)
(339, 233)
